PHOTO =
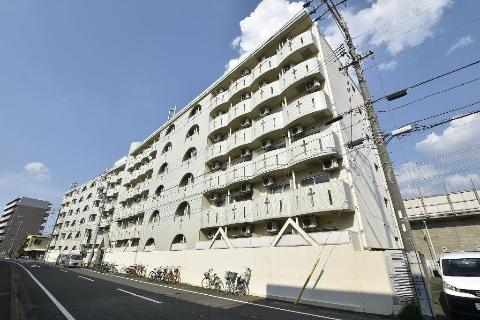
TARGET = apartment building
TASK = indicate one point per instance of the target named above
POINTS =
(21, 217)
(270, 167)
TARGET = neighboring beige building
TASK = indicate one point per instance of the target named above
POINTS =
(255, 171)
(445, 222)
(35, 247)
(21, 217)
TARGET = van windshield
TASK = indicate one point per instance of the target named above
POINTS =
(76, 257)
(466, 267)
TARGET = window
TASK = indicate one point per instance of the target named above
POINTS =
(281, 188)
(195, 110)
(85, 208)
(37, 242)
(170, 129)
(191, 153)
(186, 180)
(159, 190)
(155, 217)
(82, 221)
(77, 235)
(81, 199)
(183, 209)
(84, 188)
(193, 131)
(315, 180)
(89, 196)
(179, 238)
(163, 168)
(167, 148)
(150, 242)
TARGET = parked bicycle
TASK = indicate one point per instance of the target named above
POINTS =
(212, 281)
(165, 274)
(235, 284)
(135, 270)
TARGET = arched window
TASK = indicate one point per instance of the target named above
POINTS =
(163, 168)
(65, 248)
(150, 244)
(85, 208)
(170, 129)
(73, 223)
(89, 196)
(81, 199)
(186, 180)
(167, 147)
(193, 131)
(179, 238)
(92, 185)
(84, 188)
(77, 235)
(191, 153)
(195, 110)
(159, 190)
(82, 221)
(183, 209)
(74, 248)
(155, 217)
(78, 210)
(69, 236)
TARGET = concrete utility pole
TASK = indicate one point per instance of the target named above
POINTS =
(392, 185)
(102, 193)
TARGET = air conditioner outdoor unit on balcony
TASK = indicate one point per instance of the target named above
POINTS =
(263, 83)
(210, 234)
(288, 67)
(246, 122)
(217, 138)
(246, 230)
(246, 95)
(330, 164)
(217, 165)
(219, 113)
(313, 85)
(297, 130)
(247, 187)
(214, 197)
(271, 226)
(246, 153)
(268, 181)
(245, 72)
(221, 90)
(309, 222)
(266, 144)
(264, 111)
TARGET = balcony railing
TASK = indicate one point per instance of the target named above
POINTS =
(325, 197)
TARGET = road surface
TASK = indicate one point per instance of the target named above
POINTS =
(49, 292)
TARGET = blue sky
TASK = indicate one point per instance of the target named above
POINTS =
(81, 80)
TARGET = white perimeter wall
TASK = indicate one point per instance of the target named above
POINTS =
(344, 278)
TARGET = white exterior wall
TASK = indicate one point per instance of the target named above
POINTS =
(351, 202)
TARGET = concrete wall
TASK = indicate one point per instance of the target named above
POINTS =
(343, 278)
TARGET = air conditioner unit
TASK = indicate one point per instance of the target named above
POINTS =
(247, 187)
(217, 165)
(217, 138)
(246, 230)
(330, 164)
(264, 111)
(246, 122)
(221, 90)
(266, 144)
(263, 83)
(271, 226)
(309, 222)
(214, 197)
(246, 95)
(219, 113)
(288, 67)
(246, 153)
(313, 85)
(245, 72)
(297, 130)
(268, 181)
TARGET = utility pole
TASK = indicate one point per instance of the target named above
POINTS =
(102, 194)
(406, 234)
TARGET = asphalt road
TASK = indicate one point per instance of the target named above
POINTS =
(49, 292)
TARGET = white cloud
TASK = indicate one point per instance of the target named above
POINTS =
(388, 66)
(262, 23)
(461, 42)
(38, 170)
(410, 175)
(460, 182)
(460, 133)
(395, 24)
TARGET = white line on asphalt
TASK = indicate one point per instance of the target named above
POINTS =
(62, 270)
(225, 298)
(86, 278)
(137, 295)
(55, 301)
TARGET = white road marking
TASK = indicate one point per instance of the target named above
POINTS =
(62, 270)
(55, 301)
(225, 298)
(137, 295)
(86, 278)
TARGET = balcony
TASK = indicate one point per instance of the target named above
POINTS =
(240, 109)
(218, 149)
(219, 122)
(292, 46)
(268, 124)
(219, 99)
(321, 198)
(307, 105)
(267, 92)
(240, 84)
(240, 138)
(265, 66)
(300, 72)
(132, 232)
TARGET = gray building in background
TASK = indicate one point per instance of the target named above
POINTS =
(21, 217)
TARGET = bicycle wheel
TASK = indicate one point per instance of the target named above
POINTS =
(152, 276)
(242, 289)
(205, 283)
(219, 285)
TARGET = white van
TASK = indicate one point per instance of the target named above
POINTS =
(460, 273)
(69, 260)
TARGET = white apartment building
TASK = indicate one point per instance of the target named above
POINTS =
(259, 170)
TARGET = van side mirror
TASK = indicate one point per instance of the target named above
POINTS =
(436, 273)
